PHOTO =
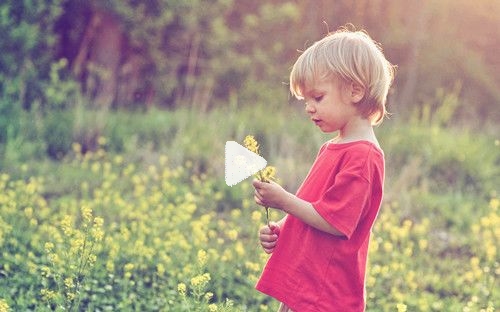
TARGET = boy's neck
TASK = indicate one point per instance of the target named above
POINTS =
(358, 129)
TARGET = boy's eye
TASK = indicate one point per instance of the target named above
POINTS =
(318, 98)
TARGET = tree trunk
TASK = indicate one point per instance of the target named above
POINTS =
(408, 93)
(99, 57)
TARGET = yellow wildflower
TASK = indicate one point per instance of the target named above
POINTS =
(232, 234)
(77, 148)
(264, 175)
(200, 280)
(494, 203)
(160, 269)
(45, 271)
(268, 173)
(68, 282)
(4, 307)
(251, 144)
(95, 167)
(54, 258)
(97, 234)
(252, 266)
(92, 259)
(208, 296)
(202, 257)
(181, 288)
(86, 213)
(101, 141)
(212, 307)
(29, 212)
(49, 247)
(256, 215)
(47, 294)
(98, 221)
(67, 225)
(240, 250)
(128, 270)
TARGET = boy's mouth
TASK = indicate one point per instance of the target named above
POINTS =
(316, 121)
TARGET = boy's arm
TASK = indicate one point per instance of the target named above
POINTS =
(281, 222)
(305, 211)
(273, 195)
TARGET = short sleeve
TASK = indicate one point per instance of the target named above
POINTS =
(344, 202)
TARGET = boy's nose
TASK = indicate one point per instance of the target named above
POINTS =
(309, 108)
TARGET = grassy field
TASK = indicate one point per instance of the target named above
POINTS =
(146, 223)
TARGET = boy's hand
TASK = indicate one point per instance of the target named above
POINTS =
(268, 236)
(269, 194)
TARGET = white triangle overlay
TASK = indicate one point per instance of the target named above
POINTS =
(240, 163)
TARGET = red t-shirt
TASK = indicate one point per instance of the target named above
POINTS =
(311, 270)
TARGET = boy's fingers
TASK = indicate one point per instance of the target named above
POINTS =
(268, 245)
(256, 183)
(258, 201)
(268, 237)
(268, 251)
(266, 230)
(274, 227)
(277, 230)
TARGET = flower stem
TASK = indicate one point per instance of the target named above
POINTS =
(267, 217)
(263, 179)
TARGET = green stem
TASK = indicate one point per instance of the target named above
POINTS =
(267, 217)
(262, 179)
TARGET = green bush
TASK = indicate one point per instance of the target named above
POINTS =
(58, 133)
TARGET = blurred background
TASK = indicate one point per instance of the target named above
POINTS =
(124, 106)
(60, 56)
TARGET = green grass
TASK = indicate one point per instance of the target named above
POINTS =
(157, 181)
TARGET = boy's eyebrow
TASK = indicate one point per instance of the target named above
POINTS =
(312, 92)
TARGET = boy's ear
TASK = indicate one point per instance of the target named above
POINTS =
(357, 92)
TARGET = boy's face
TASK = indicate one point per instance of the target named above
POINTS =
(329, 104)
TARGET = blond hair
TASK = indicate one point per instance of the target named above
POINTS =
(351, 56)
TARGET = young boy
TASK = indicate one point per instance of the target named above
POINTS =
(319, 250)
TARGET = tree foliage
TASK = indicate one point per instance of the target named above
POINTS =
(206, 53)
(171, 53)
(27, 44)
